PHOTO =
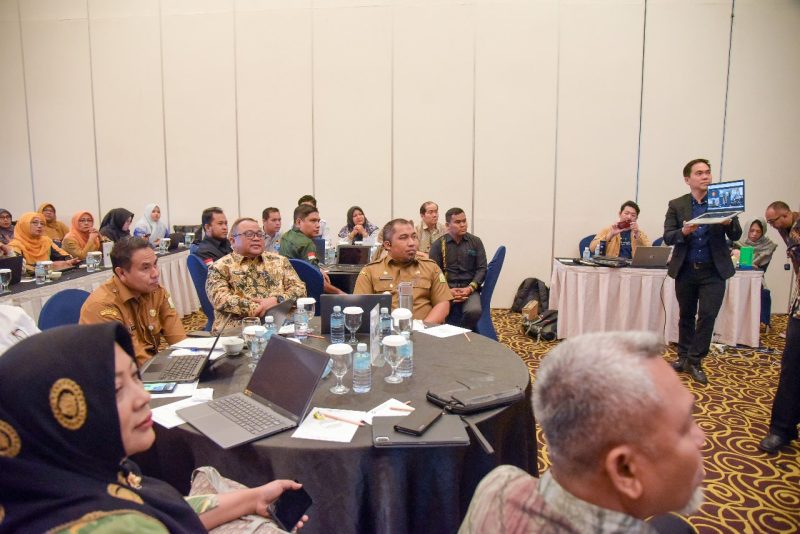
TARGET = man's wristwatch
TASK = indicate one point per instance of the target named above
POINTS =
(280, 298)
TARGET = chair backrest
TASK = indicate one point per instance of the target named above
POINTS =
(485, 326)
(63, 308)
(657, 242)
(312, 277)
(199, 272)
(585, 242)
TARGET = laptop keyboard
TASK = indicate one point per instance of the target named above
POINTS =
(347, 267)
(182, 368)
(715, 214)
(252, 418)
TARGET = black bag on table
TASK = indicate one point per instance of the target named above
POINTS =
(470, 397)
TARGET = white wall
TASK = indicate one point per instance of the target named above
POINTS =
(538, 117)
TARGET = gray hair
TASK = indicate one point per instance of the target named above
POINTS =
(592, 392)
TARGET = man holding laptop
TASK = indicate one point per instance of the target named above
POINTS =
(700, 263)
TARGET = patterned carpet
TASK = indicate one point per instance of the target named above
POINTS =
(746, 490)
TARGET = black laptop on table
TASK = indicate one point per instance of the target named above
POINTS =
(365, 302)
(13, 263)
(276, 398)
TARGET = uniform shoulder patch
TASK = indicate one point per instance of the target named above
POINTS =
(111, 313)
(442, 278)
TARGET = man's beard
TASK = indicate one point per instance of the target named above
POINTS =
(694, 503)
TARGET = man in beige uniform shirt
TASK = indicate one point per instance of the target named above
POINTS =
(429, 228)
(432, 295)
(134, 298)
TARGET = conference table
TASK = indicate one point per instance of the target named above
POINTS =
(598, 299)
(173, 272)
(358, 488)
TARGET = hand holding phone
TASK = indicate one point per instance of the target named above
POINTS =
(290, 507)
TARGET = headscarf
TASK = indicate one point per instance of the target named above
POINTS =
(61, 454)
(74, 232)
(6, 234)
(55, 229)
(33, 248)
(147, 226)
(112, 223)
(763, 248)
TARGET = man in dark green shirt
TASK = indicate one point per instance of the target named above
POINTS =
(297, 243)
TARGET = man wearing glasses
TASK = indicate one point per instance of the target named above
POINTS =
(249, 281)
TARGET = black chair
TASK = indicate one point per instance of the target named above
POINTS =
(312, 278)
(199, 272)
(657, 242)
(485, 327)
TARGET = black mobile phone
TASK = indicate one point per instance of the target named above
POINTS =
(290, 507)
(420, 420)
(160, 387)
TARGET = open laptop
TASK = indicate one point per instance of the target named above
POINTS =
(447, 431)
(14, 263)
(276, 398)
(725, 201)
(365, 302)
(164, 367)
(352, 256)
(651, 257)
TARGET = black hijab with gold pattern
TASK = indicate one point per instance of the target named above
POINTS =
(60, 442)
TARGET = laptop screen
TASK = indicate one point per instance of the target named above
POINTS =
(353, 254)
(287, 374)
(726, 196)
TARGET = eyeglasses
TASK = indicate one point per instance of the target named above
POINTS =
(251, 234)
(37, 223)
(85, 220)
(5, 216)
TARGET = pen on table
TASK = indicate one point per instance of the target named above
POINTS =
(316, 336)
(466, 336)
(402, 408)
(339, 418)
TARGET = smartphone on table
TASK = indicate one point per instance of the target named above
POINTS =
(160, 387)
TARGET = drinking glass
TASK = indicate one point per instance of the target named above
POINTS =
(163, 245)
(252, 338)
(93, 261)
(342, 357)
(48, 270)
(392, 353)
(352, 320)
(5, 280)
(188, 239)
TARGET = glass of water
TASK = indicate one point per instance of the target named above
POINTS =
(5, 280)
(254, 335)
(163, 245)
(48, 270)
(93, 261)
(188, 239)
(352, 320)
(342, 356)
(392, 352)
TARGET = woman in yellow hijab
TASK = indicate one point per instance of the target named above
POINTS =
(54, 229)
(30, 242)
(83, 237)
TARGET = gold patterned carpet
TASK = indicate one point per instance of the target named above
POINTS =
(746, 490)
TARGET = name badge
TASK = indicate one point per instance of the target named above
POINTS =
(386, 277)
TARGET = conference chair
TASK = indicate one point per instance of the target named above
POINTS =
(485, 326)
(63, 308)
(585, 242)
(657, 242)
(199, 273)
(312, 277)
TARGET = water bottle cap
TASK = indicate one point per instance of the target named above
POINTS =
(338, 349)
(394, 341)
(362, 347)
(305, 301)
(384, 310)
(269, 319)
(337, 309)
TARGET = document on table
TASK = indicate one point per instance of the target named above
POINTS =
(166, 416)
(446, 330)
(328, 429)
(385, 410)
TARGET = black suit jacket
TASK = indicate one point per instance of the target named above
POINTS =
(679, 211)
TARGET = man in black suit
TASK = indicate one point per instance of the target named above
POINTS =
(700, 265)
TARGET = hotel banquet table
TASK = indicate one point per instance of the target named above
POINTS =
(596, 299)
(174, 275)
(357, 488)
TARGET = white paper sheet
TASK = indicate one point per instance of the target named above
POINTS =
(329, 429)
(446, 330)
(418, 326)
(385, 410)
(166, 416)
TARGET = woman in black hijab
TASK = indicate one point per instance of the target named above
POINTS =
(72, 409)
(115, 225)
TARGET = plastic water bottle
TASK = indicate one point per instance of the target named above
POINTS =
(330, 250)
(337, 325)
(300, 325)
(362, 370)
(269, 324)
(40, 274)
(406, 367)
(384, 329)
(586, 254)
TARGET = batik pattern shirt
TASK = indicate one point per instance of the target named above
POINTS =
(792, 239)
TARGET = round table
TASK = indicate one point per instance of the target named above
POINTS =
(356, 487)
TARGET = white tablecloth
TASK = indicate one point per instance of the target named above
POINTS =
(174, 275)
(597, 299)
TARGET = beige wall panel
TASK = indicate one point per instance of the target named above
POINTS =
(55, 39)
(683, 107)
(352, 112)
(273, 51)
(15, 167)
(199, 106)
(515, 112)
(598, 115)
(762, 137)
(433, 107)
(126, 66)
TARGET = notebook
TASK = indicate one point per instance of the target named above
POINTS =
(447, 431)
(276, 398)
(365, 302)
(651, 257)
(725, 201)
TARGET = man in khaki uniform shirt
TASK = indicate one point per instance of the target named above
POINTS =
(429, 228)
(432, 295)
(134, 298)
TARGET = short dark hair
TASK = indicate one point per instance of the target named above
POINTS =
(630, 204)
(208, 215)
(302, 211)
(424, 207)
(123, 250)
(266, 213)
(452, 211)
(687, 169)
(779, 205)
(307, 198)
(389, 228)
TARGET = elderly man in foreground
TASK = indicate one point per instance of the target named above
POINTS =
(623, 444)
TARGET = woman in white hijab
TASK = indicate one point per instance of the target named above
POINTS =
(150, 225)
